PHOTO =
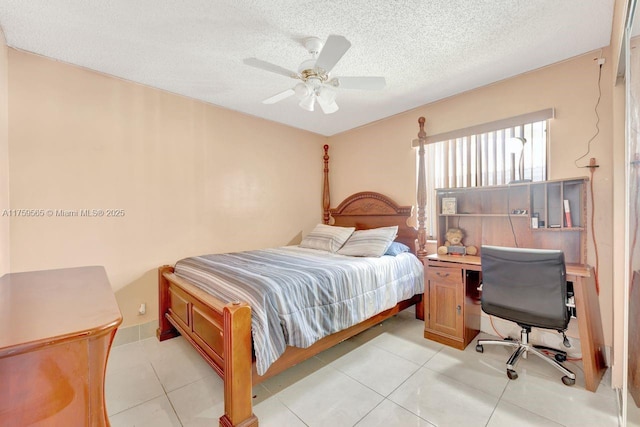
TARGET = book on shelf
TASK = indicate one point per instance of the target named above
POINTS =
(567, 213)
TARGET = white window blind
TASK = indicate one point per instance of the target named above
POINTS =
(487, 154)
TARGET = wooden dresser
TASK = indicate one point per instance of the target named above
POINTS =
(56, 329)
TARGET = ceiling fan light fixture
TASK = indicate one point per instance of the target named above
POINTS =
(302, 90)
(327, 95)
(327, 100)
(328, 107)
(308, 102)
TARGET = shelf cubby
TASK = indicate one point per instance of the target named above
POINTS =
(504, 215)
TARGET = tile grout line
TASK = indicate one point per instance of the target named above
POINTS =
(166, 395)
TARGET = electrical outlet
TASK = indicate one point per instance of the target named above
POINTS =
(142, 309)
(600, 61)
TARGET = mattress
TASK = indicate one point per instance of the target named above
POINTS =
(298, 295)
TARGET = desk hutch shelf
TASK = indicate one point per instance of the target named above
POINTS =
(530, 214)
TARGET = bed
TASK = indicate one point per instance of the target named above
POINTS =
(220, 327)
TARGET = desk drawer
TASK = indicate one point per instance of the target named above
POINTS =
(450, 275)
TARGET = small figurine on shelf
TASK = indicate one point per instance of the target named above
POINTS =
(453, 244)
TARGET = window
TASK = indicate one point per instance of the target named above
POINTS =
(485, 155)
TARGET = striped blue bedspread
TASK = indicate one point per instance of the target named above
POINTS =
(298, 295)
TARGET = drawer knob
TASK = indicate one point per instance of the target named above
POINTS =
(458, 309)
(439, 273)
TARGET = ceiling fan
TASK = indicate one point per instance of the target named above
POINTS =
(316, 84)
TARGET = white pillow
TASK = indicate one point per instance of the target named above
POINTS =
(327, 237)
(372, 242)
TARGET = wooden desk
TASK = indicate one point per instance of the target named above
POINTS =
(587, 310)
(56, 329)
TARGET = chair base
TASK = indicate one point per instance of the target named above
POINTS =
(522, 348)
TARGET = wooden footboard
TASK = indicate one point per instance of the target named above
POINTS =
(221, 333)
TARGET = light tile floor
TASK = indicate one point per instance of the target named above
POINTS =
(387, 376)
(633, 413)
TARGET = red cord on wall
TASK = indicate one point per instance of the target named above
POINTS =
(494, 327)
(592, 167)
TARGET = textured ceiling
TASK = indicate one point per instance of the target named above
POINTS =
(426, 50)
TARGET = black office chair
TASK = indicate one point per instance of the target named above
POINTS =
(528, 287)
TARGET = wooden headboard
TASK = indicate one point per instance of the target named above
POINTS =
(368, 209)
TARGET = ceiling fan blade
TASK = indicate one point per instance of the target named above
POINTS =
(279, 96)
(327, 107)
(334, 48)
(264, 65)
(362, 83)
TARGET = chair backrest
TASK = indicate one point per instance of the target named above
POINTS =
(526, 286)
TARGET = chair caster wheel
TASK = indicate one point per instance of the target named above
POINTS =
(568, 381)
(513, 374)
(479, 348)
(560, 357)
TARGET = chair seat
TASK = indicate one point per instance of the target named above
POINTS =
(525, 318)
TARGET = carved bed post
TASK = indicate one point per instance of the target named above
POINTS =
(165, 329)
(325, 188)
(238, 410)
(422, 194)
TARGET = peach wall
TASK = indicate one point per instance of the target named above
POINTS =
(4, 158)
(379, 157)
(191, 178)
